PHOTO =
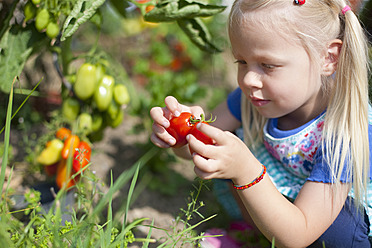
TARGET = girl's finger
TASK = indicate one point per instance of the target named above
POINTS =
(215, 133)
(206, 175)
(199, 147)
(161, 134)
(158, 142)
(197, 111)
(173, 105)
(160, 116)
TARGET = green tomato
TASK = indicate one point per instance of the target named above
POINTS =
(121, 95)
(96, 135)
(107, 81)
(70, 109)
(42, 19)
(115, 122)
(86, 81)
(85, 123)
(113, 110)
(97, 121)
(103, 94)
(36, 2)
(52, 30)
(100, 71)
(29, 10)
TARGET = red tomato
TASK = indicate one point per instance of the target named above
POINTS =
(71, 143)
(200, 136)
(81, 156)
(179, 128)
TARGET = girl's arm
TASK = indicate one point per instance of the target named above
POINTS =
(295, 224)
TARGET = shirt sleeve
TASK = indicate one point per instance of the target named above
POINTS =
(234, 103)
(322, 173)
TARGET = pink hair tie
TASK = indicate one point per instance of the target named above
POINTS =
(345, 9)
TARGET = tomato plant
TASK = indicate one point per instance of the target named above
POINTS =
(49, 28)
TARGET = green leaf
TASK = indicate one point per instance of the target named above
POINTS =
(16, 46)
(83, 10)
(198, 33)
(183, 9)
(6, 139)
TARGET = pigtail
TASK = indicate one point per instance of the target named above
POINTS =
(346, 124)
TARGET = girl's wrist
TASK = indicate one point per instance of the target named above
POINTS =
(249, 174)
(253, 182)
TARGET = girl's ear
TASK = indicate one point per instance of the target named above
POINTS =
(331, 57)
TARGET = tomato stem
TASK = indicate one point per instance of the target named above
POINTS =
(194, 120)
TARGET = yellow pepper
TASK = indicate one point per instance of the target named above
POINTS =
(52, 153)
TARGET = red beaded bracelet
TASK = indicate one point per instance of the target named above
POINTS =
(255, 181)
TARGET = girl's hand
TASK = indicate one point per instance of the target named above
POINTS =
(229, 158)
(161, 116)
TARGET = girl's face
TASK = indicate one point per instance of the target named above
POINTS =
(276, 75)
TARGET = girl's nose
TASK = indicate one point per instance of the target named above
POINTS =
(252, 79)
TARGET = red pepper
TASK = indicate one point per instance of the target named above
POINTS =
(63, 133)
(51, 170)
(62, 177)
(81, 156)
(70, 145)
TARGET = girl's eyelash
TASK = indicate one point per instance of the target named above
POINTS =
(239, 62)
(268, 66)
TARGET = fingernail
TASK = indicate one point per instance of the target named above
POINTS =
(177, 113)
(172, 142)
(166, 123)
(188, 137)
(198, 125)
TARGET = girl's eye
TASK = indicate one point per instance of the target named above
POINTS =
(242, 62)
(268, 66)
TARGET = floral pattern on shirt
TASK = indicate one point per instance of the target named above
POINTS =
(296, 152)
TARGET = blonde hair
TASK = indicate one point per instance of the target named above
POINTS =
(314, 24)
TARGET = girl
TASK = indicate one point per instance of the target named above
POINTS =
(303, 172)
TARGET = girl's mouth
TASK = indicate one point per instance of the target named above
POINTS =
(258, 102)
